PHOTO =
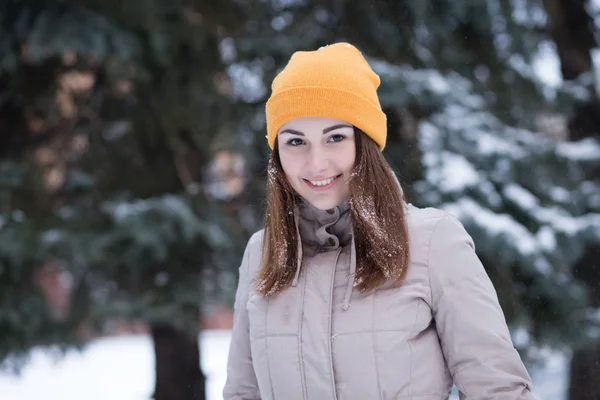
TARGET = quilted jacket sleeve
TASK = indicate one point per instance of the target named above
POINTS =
(470, 323)
(241, 381)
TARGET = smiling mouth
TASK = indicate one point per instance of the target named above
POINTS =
(324, 182)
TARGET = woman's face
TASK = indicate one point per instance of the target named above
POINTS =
(317, 156)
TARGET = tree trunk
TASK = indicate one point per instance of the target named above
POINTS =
(585, 365)
(585, 370)
(178, 373)
(572, 30)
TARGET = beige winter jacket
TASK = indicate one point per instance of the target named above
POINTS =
(321, 339)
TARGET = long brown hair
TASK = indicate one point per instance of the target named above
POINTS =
(377, 214)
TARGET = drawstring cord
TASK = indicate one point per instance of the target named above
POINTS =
(352, 274)
(299, 244)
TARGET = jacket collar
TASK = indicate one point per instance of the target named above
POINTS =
(324, 230)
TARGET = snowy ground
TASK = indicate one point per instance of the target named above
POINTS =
(121, 368)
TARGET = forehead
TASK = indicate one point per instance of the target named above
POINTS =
(308, 124)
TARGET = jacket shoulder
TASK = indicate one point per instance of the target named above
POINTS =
(253, 253)
(256, 239)
(421, 222)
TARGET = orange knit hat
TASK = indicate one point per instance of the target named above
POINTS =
(334, 82)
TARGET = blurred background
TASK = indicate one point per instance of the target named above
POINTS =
(133, 163)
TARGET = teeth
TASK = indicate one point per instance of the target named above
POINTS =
(322, 183)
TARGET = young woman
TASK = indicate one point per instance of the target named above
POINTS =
(350, 293)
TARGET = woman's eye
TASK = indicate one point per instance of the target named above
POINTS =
(295, 142)
(336, 138)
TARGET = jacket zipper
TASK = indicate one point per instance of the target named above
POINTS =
(329, 332)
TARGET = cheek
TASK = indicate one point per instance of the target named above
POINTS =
(290, 165)
(350, 159)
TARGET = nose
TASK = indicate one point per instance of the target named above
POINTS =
(318, 160)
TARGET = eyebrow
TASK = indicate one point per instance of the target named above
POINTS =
(326, 130)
